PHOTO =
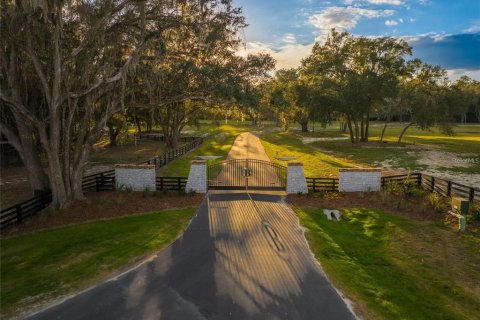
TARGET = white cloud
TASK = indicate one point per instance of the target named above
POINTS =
(287, 56)
(390, 2)
(412, 20)
(473, 29)
(391, 23)
(400, 20)
(289, 38)
(410, 39)
(343, 18)
(454, 74)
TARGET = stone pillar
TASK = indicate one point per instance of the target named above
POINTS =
(197, 177)
(139, 177)
(296, 182)
(359, 179)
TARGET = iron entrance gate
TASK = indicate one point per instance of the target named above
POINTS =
(249, 174)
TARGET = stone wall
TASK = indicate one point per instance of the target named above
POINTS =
(296, 182)
(352, 180)
(197, 177)
(137, 177)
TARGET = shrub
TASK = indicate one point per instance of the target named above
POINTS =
(436, 202)
(474, 212)
(410, 187)
(392, 187)
(145, 192)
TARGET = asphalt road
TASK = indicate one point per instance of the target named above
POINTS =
(242, 257)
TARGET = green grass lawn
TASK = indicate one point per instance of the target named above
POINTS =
(394, 268)
(316, 163)
(217, 143)
(465, 143)
(47, 264)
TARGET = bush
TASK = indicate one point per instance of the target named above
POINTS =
(409, 187)
(145, 192)
(392, 187)
(436, 202)
(474, 214)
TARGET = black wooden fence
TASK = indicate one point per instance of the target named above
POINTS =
(173, 154)
(102, 181)
(427, 182)
(171, 183)
(322, 184)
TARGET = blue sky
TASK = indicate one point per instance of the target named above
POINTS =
(446, 33)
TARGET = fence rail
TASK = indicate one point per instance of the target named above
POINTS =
(173, 154)
(102, 181)
(171, 183)
(427, 182)
(322, 184)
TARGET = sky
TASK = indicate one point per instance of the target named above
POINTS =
(445, 33)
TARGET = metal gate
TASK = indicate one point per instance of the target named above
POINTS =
(248, 174)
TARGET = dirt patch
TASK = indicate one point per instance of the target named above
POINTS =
(306, 140)
(105, 205)
(417, 208)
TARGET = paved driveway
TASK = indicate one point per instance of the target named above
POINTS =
(239, 259)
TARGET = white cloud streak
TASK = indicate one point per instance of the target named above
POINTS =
(287, 56)
(343, 18)
(390, 2)
(391, 23)
(454, 74)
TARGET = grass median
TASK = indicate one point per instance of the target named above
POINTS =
(397, 268)
(44, 265)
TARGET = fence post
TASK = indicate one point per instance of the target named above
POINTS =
(314, 186)
(18, 208)
(432, 184)
(449, 188)
(179, 184)
(419, 179)
(471, 195)
(161, 183)
(333, 185)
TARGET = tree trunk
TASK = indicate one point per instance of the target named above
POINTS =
(403, 131)
(362, 130)
(367, 127)
(357, 133)
(350, 129)
(304, 125)
(387, 119)
(113, 134)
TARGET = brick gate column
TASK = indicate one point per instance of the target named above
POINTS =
(197, 177)
(296, 182)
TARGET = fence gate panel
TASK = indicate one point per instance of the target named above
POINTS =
(241, 174)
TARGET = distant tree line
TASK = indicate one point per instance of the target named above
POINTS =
(356, 79)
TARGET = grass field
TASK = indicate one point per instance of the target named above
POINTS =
(464, 146)
(316, 163)
(394, 268)
(41, 266)
(421, 150)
